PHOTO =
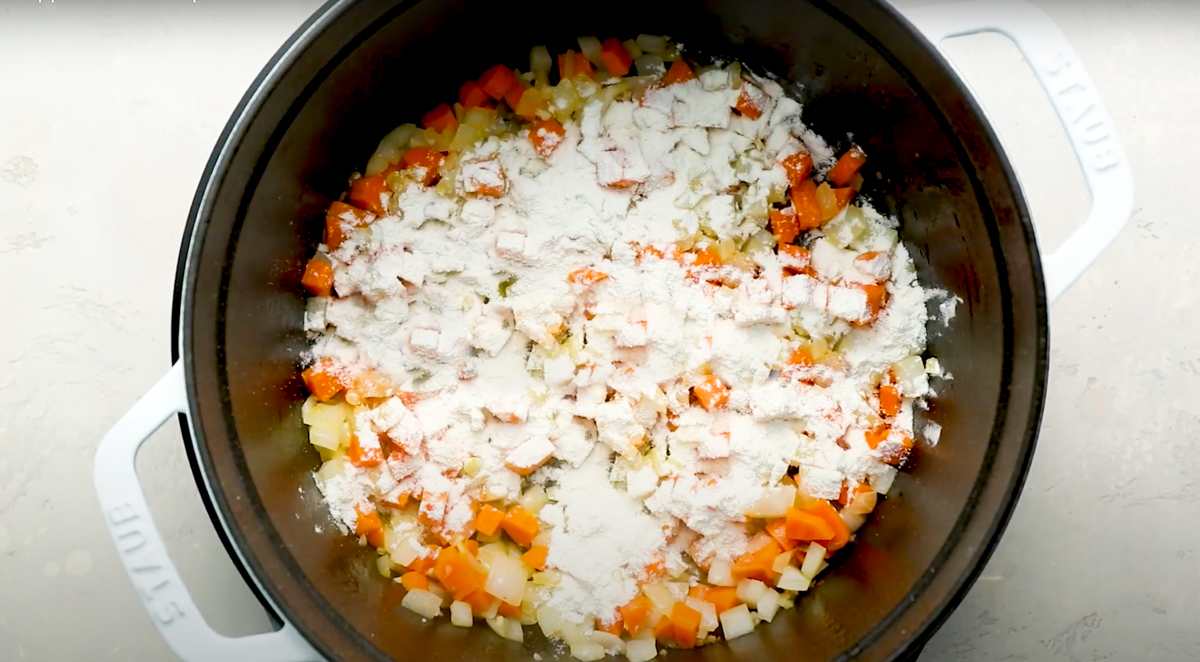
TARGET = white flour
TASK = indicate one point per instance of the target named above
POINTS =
(485, 307)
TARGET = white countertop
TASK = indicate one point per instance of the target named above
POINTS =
(108, 114)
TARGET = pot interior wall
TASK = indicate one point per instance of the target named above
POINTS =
(371, 67)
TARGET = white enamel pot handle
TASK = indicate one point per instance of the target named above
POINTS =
(141, 547)
(1078, 106)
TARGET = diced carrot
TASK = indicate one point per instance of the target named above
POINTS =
(536, 557)
(685, 622)
(757, 564)
(723, 598)
(894, 454)
(318, 276)
(509, 611)
(424, 159)
(571, 64)
(367, 192)
(375, 538)
(398, 502)
(876, 298)
(471, 546)
(425, 563)
(712, 392)
(804, 201)
(806, 527)
(363, 457)
(513, 96)
(337, 216)
(698, 591)
(496, 81)
(846, 167)
(795, 259)
(843, 196)
(707, 257)
(613, 627)
(802, 356)
(664, 629)
(470, 95)
(746, 106)
(480, 602)
(488, 520)
(798, 167)
(369, 383)
(440, 119)
(520, 525)
(654, 571)
(586, 276)
(679, 72)
(615, 56)
(456, 573)
(414, 580)
(546, 136)
(636, 614)
(323, 379)
(777, 529)
(366, 521)
(784, 225)
(844, 495)
(841, 533)
(889, 400)
(876, 436)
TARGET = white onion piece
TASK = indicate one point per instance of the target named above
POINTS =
(652, 43)
(882, 481)
(506, 579)
(782, 561)
(737, 622)
(570, 633)
(405, 552)
(774, 502)
(720, 573)
(641, 650)
(534, 499)
(612, 644)
(708, 613)
(460, 614)
(549, 620)
(750, 590)
(383, 564)
(436, 589)
(854, 521)
(650, 65)
(760, 540)
(791, 579)
(660, 596)
(423, 603)
(492, 610)
(911, 377)
(587, 651)
(862, 504)
(540, 62)
(590, 47)
(631, 45)
(812, 560)
(507, 628)
(767, 605)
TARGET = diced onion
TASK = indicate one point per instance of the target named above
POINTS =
(708, 613)
(791, 579)
(307, 407)
(436, 589)
(633, 48)
(737, 622)
(612, 644)
(641, 650)
(767, 605)
(650, 65)
(781, 562)
(862, 504)
(534, 499)
(507, 628)
(774, 502)
(492, 610)
(334, 468)
(720, 573)
(660, 596)
(812, 560)
(570, 633)
(540, 63)
(750, 590)
(652, 43)
(405, 552)
(384, 565)
(854, 521)
(460, 614)
(910, 376)
(587, 651)
(882, 481)
(423, 603)
(506, 579)
(549, 620)
(590, 46)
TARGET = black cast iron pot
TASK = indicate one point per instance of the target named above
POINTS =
(357, 69)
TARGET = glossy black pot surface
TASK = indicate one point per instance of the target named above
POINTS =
(358, 69)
